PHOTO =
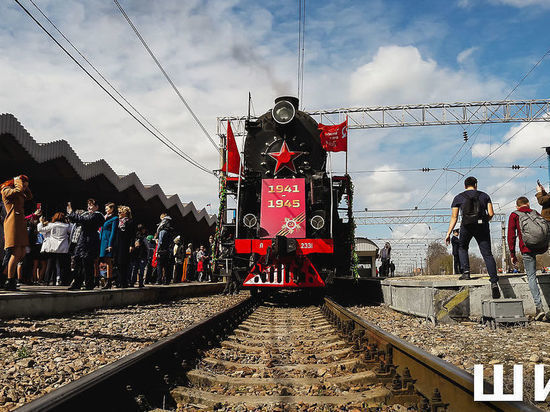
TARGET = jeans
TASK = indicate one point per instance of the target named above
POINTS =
(530, 263)
(84, 271)
(456, 261)
(482, 236)
(137, 270)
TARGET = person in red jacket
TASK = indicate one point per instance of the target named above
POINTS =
(529, 256)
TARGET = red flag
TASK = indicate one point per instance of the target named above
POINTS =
(233, 158)
(334, 138)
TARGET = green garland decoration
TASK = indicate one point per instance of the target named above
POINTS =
(354, 261)
(221, 211)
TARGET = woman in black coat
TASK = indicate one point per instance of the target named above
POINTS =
(87, 246)
(126, 233)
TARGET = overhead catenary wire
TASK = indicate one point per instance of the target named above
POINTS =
(144, 43)
(475, 134)
(188, 157)
(472, 168)
(516, 175)
(449, 169)
(176, 150)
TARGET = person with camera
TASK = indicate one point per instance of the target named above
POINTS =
(87, 246)
(544, 200)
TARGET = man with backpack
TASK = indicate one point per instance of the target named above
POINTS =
(477, 210)
(532, 231)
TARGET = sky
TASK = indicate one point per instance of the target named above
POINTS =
(357, 53)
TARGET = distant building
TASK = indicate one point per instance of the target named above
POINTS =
(366, 254)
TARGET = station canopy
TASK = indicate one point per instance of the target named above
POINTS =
(57, 175)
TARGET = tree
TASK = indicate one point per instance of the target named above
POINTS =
(438, 260)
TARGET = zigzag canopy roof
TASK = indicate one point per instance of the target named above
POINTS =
(60, 149)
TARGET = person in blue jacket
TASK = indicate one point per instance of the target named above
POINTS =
(108, 241)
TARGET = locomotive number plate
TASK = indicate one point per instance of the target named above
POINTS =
(283, 209)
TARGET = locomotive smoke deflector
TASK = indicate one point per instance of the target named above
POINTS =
(285, 109)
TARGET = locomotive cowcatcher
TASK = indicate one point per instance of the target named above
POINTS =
(286, 231)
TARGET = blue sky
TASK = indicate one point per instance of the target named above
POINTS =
(358, 53)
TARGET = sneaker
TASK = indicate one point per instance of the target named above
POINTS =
(464, 276)
(495, 291)
(539, 314)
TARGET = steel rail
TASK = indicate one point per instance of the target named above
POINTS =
(455, 385)
(142, 380)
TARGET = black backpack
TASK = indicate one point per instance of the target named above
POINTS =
(471, 210)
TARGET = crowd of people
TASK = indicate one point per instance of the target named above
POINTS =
(89, 249)
(527, 226)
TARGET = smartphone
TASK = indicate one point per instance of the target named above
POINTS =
(538, 182)
(39, 206)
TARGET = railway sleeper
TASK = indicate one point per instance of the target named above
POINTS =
(369, 398)
(246, 349)
(295, 336)
(347, 364)
(205, 379)
(287, 343)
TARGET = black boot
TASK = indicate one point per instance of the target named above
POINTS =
(11, 284)
(75, 286)
(495, 291)
(108, 284)
(465, 276)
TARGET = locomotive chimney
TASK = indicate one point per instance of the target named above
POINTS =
(291, 99)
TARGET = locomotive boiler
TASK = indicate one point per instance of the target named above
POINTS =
(288, 233)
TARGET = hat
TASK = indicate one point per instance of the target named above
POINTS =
(150, 237)
(177, 239)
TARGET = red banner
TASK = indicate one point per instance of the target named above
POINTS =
(283, 210)
(334, 138)
(233, 158)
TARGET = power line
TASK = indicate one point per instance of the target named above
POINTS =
(189, 158)
(509, 94)
(489, 154)
(134, 28)
(176, 150)
(516, 175)
(431, 169)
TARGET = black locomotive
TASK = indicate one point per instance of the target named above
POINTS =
(288, 232)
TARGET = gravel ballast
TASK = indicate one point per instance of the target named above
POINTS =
(38, 356)
(467, 343)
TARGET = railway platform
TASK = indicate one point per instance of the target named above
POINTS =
(48, 301)
(439, 298)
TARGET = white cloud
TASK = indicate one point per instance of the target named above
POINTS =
(465, 54)
(523, 3)
(525, 144)
(400, 75)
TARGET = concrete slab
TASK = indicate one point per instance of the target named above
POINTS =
(441, 298)
(43, 301)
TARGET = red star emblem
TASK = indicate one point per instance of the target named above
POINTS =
(285, 158)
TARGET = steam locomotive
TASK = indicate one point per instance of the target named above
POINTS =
(288, 233)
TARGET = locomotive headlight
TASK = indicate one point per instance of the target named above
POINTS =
(283, 112)
(249, 220)
(317, 222)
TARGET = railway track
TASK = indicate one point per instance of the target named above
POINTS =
(276, 355)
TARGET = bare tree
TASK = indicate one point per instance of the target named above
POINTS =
(438, 261)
